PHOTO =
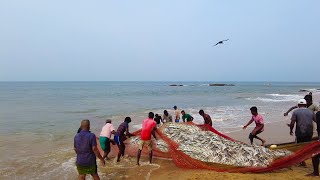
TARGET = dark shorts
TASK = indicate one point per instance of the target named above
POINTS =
(104, 143)
(87, 169)
(118, 140)
(303, 139)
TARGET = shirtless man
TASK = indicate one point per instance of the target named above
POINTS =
(177, 114)
(206, 117)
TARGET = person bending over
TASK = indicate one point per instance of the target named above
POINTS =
(119, 137)
(185, 116)
(206, 117)
(258, 119)
(166, 117)
(105, 137)
(148, 127)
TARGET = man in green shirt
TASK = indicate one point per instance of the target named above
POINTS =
(186, 116)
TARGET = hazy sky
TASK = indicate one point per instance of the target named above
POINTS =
(171, 40)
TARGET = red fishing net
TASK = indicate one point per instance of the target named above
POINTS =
(300, 153)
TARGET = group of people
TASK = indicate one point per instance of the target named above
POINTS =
(85, 143)
(303, 118)
(86, 147)
(305, 113)
(180, 115)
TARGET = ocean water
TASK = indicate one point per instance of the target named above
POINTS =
(39, 119)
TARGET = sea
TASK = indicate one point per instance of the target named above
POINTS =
(40, 119)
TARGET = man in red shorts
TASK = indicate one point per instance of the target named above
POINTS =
(148, 127)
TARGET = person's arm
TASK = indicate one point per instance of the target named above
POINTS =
(128, 133)
(292, 108)
(154, 132)
(183, 119)
(291, 127)
(113, 131)
(97, 153)
(95, 150)
(74, 147)
(318, 124)
(162, 119)
(293, 121)
(245, 126)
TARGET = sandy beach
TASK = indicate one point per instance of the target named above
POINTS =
(166, 169)
(39, 123)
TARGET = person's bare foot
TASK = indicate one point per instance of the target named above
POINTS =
(303, 164)
(312, 174)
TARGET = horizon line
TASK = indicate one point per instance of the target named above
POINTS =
(213, 81)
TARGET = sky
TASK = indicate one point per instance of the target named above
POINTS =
(143, 40)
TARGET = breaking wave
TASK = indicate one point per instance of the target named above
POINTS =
(277, 98)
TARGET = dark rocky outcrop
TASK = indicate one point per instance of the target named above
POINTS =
(219, 84)
(175, 85)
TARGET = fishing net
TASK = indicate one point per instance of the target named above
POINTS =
(192, 146)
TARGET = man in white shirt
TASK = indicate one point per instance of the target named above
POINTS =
(105, 136)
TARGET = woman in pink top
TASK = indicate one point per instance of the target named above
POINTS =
(258, 119)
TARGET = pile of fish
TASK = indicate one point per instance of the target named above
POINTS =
(160, 144)
(206, 146)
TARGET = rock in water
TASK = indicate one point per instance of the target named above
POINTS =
(221, 85)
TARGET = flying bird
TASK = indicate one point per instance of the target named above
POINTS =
(221, 42)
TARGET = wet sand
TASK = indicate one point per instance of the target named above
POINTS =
(166, 169)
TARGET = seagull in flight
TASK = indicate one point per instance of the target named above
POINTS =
(221, 42)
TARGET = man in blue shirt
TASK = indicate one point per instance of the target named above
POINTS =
(85, 145)
(119, 137)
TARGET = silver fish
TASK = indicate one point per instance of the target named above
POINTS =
(206, 146)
